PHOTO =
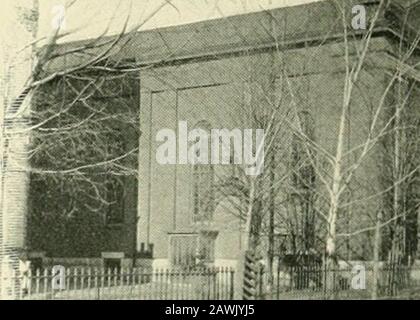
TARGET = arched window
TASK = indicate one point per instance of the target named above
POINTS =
(303, 181)
(203, 184)
(302, 153)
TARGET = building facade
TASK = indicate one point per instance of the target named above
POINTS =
(219, 74)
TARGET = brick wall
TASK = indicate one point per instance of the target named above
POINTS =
(16, 57)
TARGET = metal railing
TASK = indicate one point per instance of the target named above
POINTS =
(128, 284)
(317, 282)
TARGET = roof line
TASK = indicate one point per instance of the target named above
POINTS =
(260, 48)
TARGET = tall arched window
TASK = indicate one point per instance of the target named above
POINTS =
(303, 181)
(302, 153)
(203, 184)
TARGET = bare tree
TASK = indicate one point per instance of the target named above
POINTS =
(337, 171)
(53, 129)
(328, 183)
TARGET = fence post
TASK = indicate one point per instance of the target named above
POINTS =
(324, 279)
(232, 284)
(98, 282)
(46, 283)
(278, 281)
(29, 283)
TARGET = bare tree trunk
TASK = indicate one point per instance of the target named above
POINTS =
(396, 173)
(336, 190)
(255, 226)
(376, 256)
(271, 232)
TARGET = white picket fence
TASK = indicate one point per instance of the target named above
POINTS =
(128, 284)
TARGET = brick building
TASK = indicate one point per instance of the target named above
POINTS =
(210, 74)
(16, 65)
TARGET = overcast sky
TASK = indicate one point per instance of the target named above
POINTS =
(91, 17)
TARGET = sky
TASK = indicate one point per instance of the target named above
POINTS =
(90, 18)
